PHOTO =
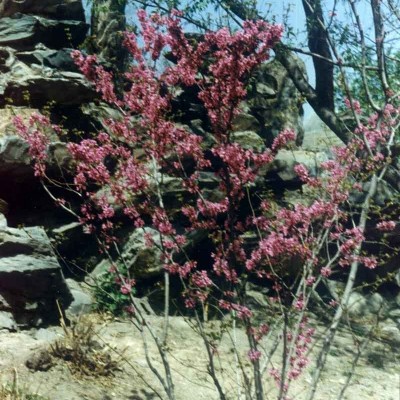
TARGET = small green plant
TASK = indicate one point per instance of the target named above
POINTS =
(108, 295)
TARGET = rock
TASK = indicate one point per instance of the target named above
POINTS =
(3, 221)
(23, 32)
(46, 335)
(7, 321)
(249, 140)
(357, 305)
(7, 114)
(141, 261)
(67, 238)
(38, 88)
(28, 80)
(246, 122)
(395, 314)
(391, 333)
(397, 299)
(82, 302)
(366, 305)
(384, 193)
(397, 280)
(58, 9)
(61, 60)
(209, 184)
(14, 157)
(31, 280)
(376, 304)
(40, 361)
(286, 160)
(56, 59)
(274, 102)
(257, 297)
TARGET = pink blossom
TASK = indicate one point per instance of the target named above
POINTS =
(283, 138)
(386, 226)
(254, 355)
(126, 288)
(326, 271)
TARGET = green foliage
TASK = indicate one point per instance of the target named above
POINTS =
(108, 295)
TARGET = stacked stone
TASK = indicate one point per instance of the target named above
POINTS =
(36, 39)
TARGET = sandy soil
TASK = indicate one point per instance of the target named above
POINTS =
(377, 376)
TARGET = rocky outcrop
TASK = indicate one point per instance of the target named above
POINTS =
(107, 25)
(36, 39)
(59, 9)
(35, 61)
(31, 280)
(25, 31)
(274, 102)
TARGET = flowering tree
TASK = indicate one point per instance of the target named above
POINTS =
(124, 167)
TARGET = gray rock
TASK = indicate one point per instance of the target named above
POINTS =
(23, 32)
(7, 321)
(376, 304)
(286, 160)
(39, 77)
(141, 260)
(56, 59)
(246, 122)
(31, 280)
(3, 221)
(145, 262)
(394, 313)
(391, 333)
(61, 60)
(397, 299)
(82, 302)
(14, 156)
(36, 56)
(366, 305)
(59, 9)
(40, 361)
(249, 140)
(39, 87)
(16, 162)
(357, 305)
(274, 102)
(46, 335)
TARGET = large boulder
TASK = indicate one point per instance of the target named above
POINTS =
(31, 280)
(285, 161)
(35, 78)
(273, 103)
(23, 32)
(14, 157)
(59, 9)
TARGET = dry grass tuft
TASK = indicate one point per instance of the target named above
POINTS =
(13, 391)
(84, 355)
